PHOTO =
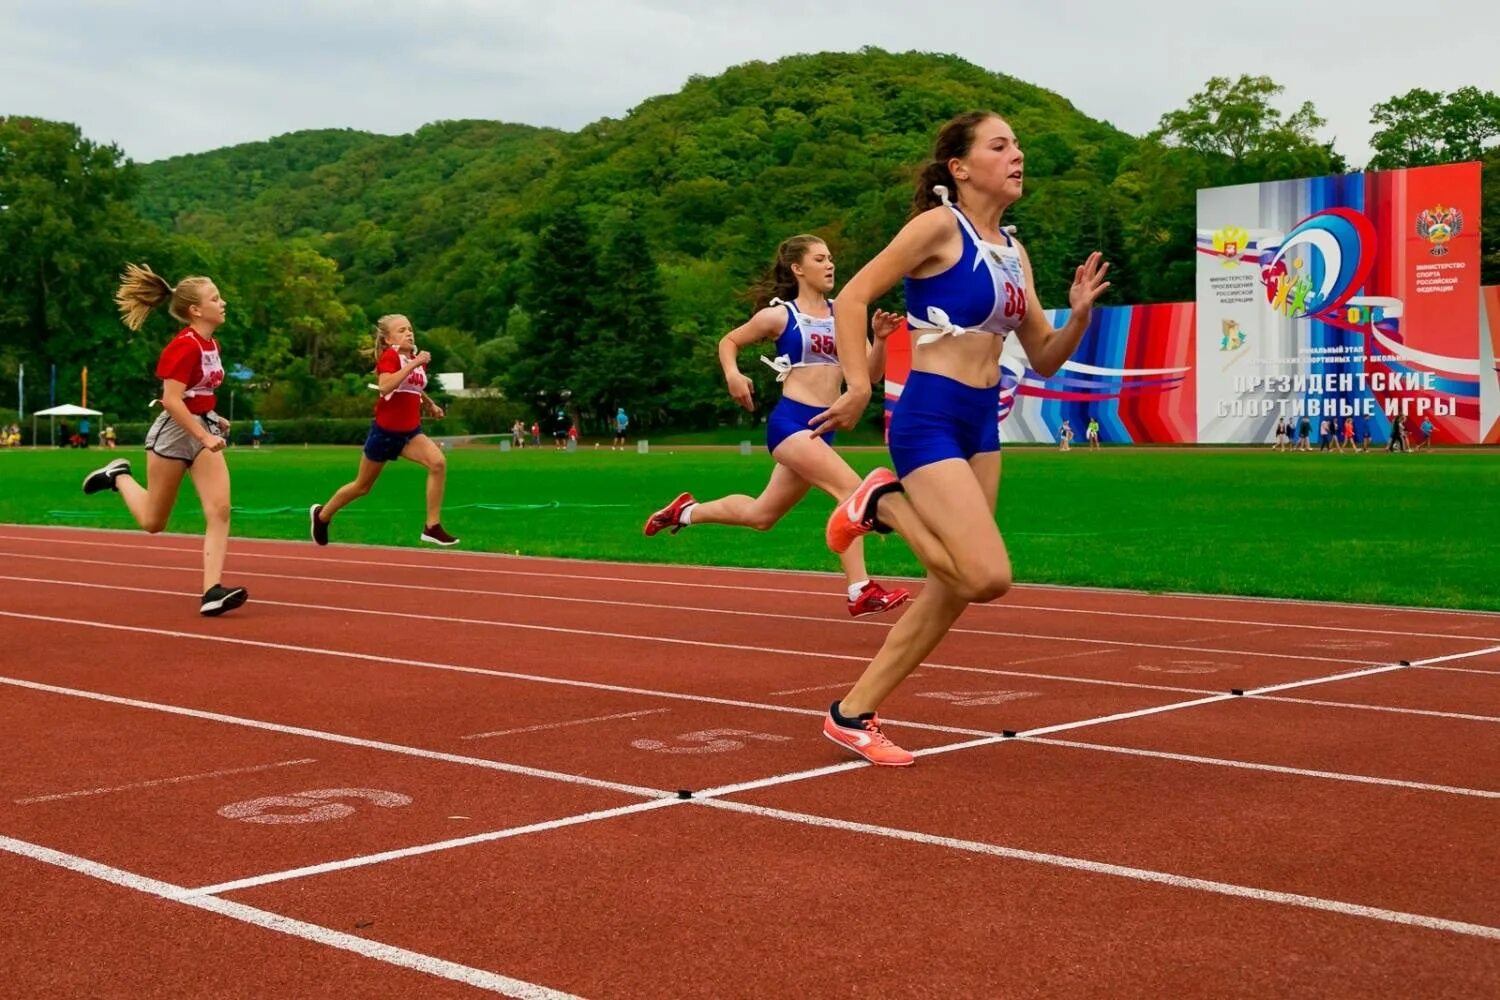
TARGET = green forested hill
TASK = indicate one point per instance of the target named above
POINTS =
(719, 171)
(603, 263)
(443, 223)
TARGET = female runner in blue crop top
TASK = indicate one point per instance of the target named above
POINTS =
(793, 309)
(968, 284)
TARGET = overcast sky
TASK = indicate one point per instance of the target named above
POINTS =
(163, 77)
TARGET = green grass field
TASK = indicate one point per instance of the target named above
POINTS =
(1400, 529)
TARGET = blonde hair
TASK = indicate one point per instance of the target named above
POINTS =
(142, 290)
(382, 327)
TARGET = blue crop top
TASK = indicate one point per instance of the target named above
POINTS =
(804, 341)
(983, 292)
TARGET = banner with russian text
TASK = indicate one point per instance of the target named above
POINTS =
(1349, 296)
(1132, 372)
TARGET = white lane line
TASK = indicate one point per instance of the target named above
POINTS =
(697, 643)
(1467, 670)
(1383, 669)
(382, 562)
(482, 671)
(838, 686)
(389, 954)
(1429, 661)
(984, 739)
(1359, 706)
(1253, 692)
(1117, 871)
(1122, 716)
(627, 605)
(1188, 641)
(655, 795)
(1062, 656)
(571, 722)
(162, 781)
(996, 671)
(1273, 768)
(669, 640)
(353, 741)
(432, 848)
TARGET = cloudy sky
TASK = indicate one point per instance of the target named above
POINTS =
(162, 77)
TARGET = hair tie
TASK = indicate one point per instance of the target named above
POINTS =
(942, 193)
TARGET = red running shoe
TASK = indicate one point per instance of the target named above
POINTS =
(669, 516)
(874, 599)
(867, 741)
(848, 520)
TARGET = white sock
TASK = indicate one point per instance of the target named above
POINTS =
(855, 588)
(686, 517)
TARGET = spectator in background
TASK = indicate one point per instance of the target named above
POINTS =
(1398, 435)
(1349, 441)
(109, 437)
(83, 433)
(622, 421)
(1092, 433)
(1325, 434)
(1065, 437)
(1304, 433)
(1280, 444)
(536, 434)
(256, 433)
(1427, 430)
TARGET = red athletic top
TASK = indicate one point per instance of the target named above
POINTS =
(194, 361)
(401, 409)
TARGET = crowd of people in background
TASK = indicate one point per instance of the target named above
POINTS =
(1350, 434)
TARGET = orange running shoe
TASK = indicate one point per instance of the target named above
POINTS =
(669, 516)
(873, 599)
(867, 740)
(849, 519)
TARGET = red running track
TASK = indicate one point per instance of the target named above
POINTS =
(408, 773)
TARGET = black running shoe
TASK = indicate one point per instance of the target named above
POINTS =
(104, 479)
(435, 534)
(220, 599)
(319, 527)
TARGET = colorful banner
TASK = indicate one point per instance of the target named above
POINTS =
(1350, 296)
(1489, 363)
(1133, 372)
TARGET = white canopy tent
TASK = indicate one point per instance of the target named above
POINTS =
(65, 410)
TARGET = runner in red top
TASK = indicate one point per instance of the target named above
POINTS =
(188, 437)
(396, 431)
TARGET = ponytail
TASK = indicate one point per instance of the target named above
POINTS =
(933, 176)
(779, 282)
(142, 290)
(954, 141)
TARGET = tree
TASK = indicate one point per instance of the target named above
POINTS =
(65, 224)
(558, 296)
(284, 301)
(1423, 127)
(629, 360)
(1237, 130)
